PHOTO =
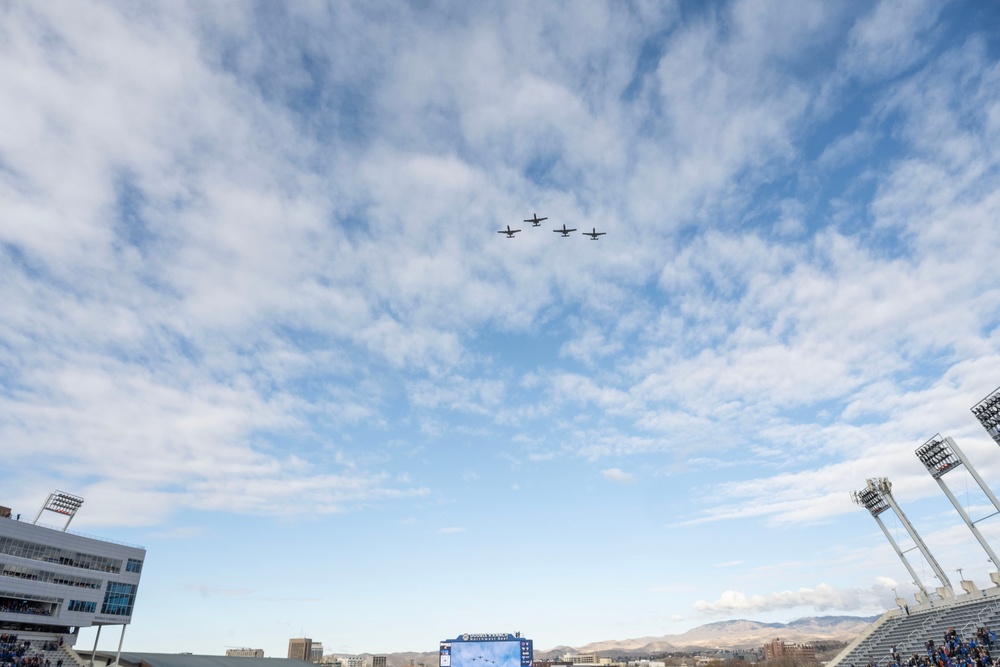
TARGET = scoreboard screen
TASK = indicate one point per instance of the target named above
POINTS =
(499, 650)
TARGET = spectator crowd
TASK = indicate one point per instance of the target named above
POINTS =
(952, 652)
(14, 653)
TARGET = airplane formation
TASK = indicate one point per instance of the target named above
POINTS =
(564, 232)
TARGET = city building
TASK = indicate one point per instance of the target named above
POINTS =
(586, 659)
(378, 661)
(245, 652)
(55, 581)
(706, 656)
(316, 654)
(778, 650)
(300, 649)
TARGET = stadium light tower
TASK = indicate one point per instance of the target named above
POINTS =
(987, 411)
(940, 455)
(63, 503)
(877, 498)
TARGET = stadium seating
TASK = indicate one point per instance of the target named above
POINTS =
(909, 633)
(47, 644)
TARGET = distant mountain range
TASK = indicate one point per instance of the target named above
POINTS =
(740, 633)
(722, 634)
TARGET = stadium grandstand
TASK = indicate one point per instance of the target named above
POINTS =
(54, 582)
(944, 628)
(910, 630)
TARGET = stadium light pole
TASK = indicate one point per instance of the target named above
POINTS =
(940, 455)
(987, 411)
(872, 500)
(63, 503)
(885, 487)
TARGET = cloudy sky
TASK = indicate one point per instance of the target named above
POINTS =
(257, 313)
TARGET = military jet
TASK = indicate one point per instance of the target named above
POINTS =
(564, 231)
(509, 232)
(593, 234)
(535, 220)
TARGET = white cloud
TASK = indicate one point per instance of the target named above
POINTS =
(891, 38)
(249, 264)
(279, 248)
(207, 590)
(618, 475)
(821, 598)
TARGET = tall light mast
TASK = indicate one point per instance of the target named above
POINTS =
(940, 455)
(877, 498)
(62, 503)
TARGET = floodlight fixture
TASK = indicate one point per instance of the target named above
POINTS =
(937, 456)
(871, 499)
(942, 454)
(987, 411)
(62, 503)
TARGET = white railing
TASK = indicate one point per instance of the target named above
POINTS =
(93, 537)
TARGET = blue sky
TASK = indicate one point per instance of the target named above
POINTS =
(256, 311)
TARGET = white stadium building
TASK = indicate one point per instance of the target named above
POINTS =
(55, 582)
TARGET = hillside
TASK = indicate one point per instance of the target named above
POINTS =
(740, 633)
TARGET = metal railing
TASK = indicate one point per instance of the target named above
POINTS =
(92, 537)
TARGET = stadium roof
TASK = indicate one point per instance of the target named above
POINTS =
(188, 660)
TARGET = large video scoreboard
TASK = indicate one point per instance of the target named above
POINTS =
(496, 650)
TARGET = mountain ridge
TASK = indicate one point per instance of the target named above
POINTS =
(731, 634)
(740, 633)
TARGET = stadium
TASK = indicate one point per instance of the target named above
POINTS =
(56, 582)
(945, 627)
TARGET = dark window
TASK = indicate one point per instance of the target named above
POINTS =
(119, 599)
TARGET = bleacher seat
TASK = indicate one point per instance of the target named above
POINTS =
(909, 633)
